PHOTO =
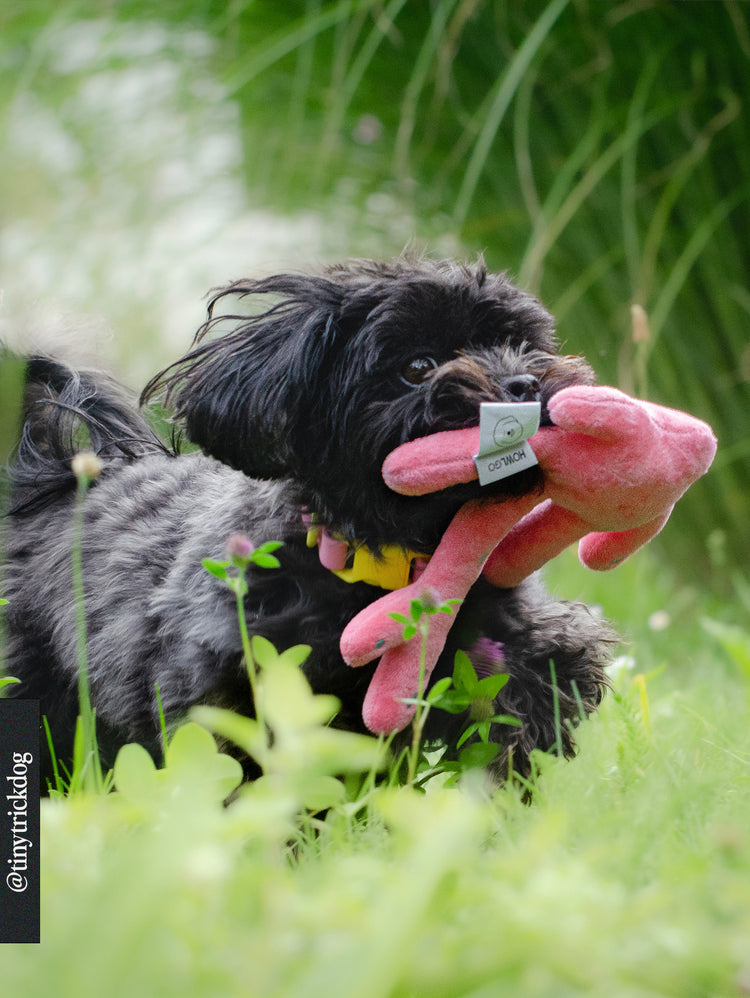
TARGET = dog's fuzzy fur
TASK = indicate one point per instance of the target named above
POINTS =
(294, 406)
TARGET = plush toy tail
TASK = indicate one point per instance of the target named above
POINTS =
(467, 543)
(430, 464)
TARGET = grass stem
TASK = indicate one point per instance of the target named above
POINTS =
(422, 708)
(253, 676)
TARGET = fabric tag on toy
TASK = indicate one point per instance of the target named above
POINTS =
(504, 431)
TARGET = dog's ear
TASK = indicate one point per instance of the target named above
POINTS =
(242, 396)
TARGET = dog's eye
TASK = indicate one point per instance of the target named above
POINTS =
(417, 370)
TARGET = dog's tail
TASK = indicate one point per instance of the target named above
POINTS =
(66, 411)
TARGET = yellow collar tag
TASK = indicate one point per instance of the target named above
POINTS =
(390, 571)
(393, 569)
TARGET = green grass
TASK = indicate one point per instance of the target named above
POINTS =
(627, 875)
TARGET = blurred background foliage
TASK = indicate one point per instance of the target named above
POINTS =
(599, 151)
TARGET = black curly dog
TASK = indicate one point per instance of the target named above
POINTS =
(295, 406)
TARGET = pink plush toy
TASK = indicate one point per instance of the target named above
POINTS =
(613, 469)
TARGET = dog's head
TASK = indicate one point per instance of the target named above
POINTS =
(339, 369)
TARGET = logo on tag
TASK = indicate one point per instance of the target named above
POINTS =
(504, 430)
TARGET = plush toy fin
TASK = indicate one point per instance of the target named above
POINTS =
(374, 633)
(540, 536)
(430, 464)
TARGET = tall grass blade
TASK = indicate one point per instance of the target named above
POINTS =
(698, 154)
(343, 93)
(522, 129)
(502, 94)
(629, 169)
(416, 84)
(692, 251)
(546, 235)
(283, 43)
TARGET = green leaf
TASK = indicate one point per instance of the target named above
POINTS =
(328, 751)
(3, 602)
(454, 701)
(243, 731)
(193, 766)
(478, 754)
(295, 655)
(439, 689)
(401, 619)
(217, 568)
(264, 560)
(268, 547)
(413, 701)
(482, 728)
(464, 674)
(506, 719)
(135, 774)
(194, 762)
(266, 656)
(289, 704)
(467, 734)
(264, 653)
(447, 607)
(190, 746)
(322, 792)
(490, 686)
(416, 609)
(7, 680)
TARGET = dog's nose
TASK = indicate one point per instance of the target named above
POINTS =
(523, 388)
